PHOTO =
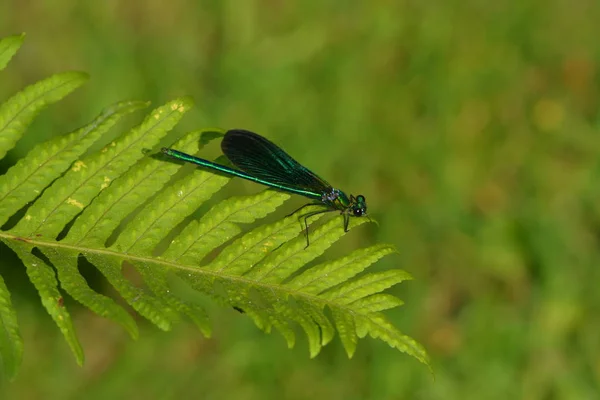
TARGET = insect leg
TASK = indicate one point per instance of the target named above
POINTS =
(298, 209)
(312, 214)
(346, 221)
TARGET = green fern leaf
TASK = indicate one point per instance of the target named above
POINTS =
(129, 219)
(378, 327)
(377, 302)
(346, 329)
(17, 112)
(283, 262)
(100, 222)
(8, 47)
(43, 278)
(325, 276)
(28, 178)
(221, 224)
(73, 191)
(11, 344)
(365, 286)
(157, 281)
(119, 207)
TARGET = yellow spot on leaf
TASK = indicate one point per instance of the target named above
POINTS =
(105, 148)
(74, 202)
(28, 217)
(105, 183)
(174, 106)
(78, 165)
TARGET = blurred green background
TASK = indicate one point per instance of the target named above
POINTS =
(472, 127)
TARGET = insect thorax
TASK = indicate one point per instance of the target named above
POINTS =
(336, 198)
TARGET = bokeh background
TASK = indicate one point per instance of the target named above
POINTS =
(472, 127)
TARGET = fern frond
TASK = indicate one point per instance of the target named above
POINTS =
(43, 278)
(11, 344)
(121, 207)
(32, 174)
(220, 225)
(17, 112)
(73, 191)
(86, 179)
(8, 47)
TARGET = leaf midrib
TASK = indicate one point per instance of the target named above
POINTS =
(311, 298)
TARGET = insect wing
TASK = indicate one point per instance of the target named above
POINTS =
(263, 159)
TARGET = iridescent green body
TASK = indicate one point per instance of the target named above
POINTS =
(261, 161)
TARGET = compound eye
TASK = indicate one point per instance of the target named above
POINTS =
(358, 212)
